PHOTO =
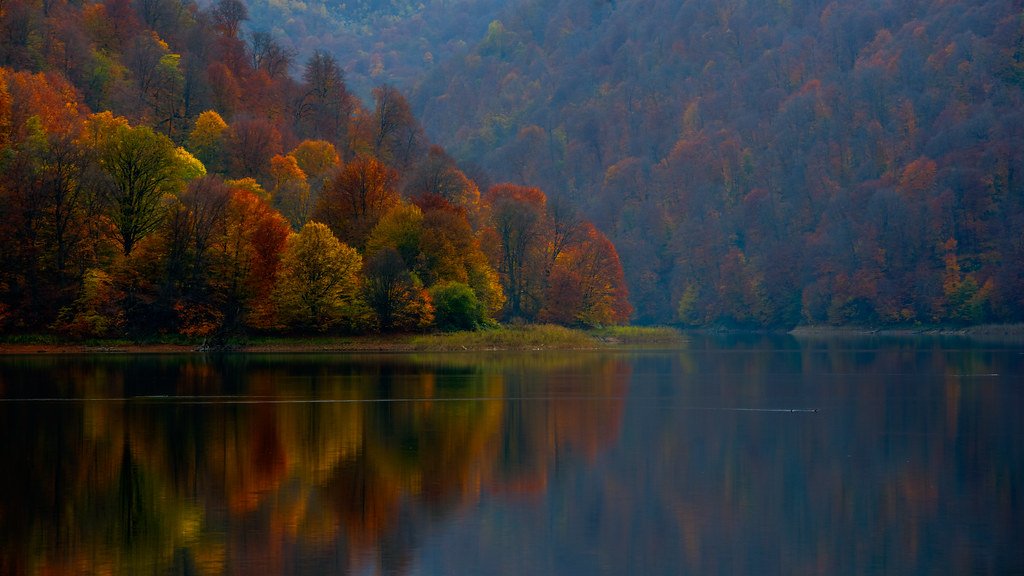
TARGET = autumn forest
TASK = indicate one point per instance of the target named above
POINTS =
(282, 167)
(164, 173)
(766, 164)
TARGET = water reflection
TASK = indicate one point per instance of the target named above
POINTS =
(275, 465)
(912, 465)
(757, 454)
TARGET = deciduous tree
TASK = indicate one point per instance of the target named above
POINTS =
(249, 255)
(517, 227)
(395, 295)
(291, 193)
(318, 281)
(354, 200)
(401, 229)
(206, 140)
(451, 253)
(228, 15)
(323, 110)
(142, 166)
(398, 137)
(437, 174)
(267, 54)
(195, 221)
(251, 143)
(317, 159)
(586, 286)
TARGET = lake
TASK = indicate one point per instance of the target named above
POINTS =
(727, 455)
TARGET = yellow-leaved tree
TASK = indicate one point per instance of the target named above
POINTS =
(317, 159)
(291, 194)
(206, 140)
(318, 281)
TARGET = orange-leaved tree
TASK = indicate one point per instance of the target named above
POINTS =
(586, 286)
(354, 200)
(250, 250)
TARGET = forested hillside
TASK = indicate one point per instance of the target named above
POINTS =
(375, 41)
(766, 163)
(164, 171)
(756, 164)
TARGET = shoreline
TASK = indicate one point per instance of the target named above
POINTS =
(511, 339)
(980, 331)
(507, 338)
(399, 343)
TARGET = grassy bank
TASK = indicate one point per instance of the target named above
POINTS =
(531, 337)
(639, 335)
(518, 337)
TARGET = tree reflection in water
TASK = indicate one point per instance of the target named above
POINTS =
(276, 465)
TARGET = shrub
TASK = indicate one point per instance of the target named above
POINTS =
(456, 307)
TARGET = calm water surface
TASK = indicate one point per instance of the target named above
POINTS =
(753, 455)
